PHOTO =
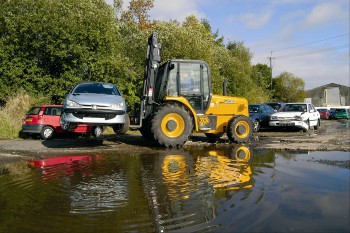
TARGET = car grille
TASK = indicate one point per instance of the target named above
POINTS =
(285, 118)
(98, 107)
(107, 116)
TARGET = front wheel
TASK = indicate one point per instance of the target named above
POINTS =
(122, 128)
(317, 126)
(256, 125)
(171, 125)
(47, 132)
(239, 129)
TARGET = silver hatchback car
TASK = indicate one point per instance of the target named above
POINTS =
(95, 103)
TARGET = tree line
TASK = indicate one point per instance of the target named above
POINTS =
(48, 46)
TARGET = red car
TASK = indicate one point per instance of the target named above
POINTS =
(324, 113)
(45, 121)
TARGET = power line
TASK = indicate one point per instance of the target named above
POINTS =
(311, 42)
(315, 52)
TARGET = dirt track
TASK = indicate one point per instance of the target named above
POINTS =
(332, 136)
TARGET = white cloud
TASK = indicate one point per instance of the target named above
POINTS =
(256, 20)
(179, 10)
(324, 13)
(313, 66)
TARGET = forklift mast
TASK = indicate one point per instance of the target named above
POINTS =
(152, 63)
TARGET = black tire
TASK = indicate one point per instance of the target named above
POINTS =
(171, 125)
(122, 128)
(239, 129)
(145, 130)
(97, 132)
(308, 126)
(212, 137)
(64, 124)
(47, 132)
(256, 125)
(317, 126)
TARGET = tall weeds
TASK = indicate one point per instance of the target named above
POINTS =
(12, 114)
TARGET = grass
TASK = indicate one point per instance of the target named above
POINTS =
(13, 112)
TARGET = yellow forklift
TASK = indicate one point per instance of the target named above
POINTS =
(177, 100)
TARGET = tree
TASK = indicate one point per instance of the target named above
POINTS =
(138, 13)
(288, 88)
(47, 46)
(261, 75)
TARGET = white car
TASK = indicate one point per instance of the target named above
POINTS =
(95, 103)
(300, 115)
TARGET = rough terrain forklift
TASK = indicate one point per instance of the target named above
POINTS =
(177, 100)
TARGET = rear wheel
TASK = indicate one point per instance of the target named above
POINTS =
(256, 125)
(47, 132)
(97, 131)
(239, 129)
(171, 125)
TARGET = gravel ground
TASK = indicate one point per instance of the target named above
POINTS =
(332, 136)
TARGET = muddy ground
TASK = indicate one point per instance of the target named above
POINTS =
(333, 135)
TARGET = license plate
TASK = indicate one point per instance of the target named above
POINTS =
(93, 120)
(29, 119)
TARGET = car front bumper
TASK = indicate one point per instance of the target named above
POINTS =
(299, 124)
(94, 117)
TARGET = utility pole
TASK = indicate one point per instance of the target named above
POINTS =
(270, 59)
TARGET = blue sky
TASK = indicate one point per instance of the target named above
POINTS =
(308, 38)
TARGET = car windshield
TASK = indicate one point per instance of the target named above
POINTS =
(96, 88)
(322, 110)
(294, 108)
(275, 106)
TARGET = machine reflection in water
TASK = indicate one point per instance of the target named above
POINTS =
(193, 183)
(180, 190)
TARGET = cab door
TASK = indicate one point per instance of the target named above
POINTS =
(193, 83)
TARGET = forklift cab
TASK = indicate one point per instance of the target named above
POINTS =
(188, 79)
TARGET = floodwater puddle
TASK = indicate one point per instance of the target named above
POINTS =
(187, 190)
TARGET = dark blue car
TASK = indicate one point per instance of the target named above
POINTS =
(260, 115)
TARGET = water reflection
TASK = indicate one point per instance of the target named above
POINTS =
(192, 190)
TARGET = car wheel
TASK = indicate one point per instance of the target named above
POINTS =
(64, 124)
(122, 128)
(317, 125)
(47, 132)
(97, 131)
(256, 125)
(308, 126)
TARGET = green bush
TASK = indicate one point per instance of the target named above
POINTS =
(12, 114)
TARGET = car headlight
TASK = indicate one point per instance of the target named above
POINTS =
(118, 106)
(273, 118)
(299, 118)
(71, 103)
